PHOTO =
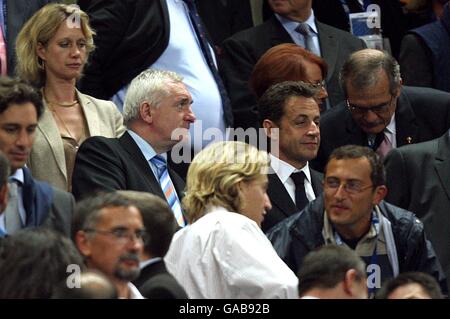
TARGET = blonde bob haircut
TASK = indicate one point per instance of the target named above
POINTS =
(214, 175)
(39, 29)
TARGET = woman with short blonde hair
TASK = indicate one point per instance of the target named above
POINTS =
(223, 253)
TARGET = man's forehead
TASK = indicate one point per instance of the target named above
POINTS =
(349, 168)
(115, 215)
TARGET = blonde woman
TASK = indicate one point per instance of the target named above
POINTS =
(223, 253)
(52, 49)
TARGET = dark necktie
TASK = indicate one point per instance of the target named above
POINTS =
(201, 36)
(300, 196)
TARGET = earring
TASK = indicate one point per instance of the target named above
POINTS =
(41, 64)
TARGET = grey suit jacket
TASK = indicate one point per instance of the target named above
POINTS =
(60, 215)
(243, 50)
(47, 161)
(418, 179)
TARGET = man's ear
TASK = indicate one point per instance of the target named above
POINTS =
(379, 194)
(349, 281)
(4, 191)
(145, 111)
(269, 127)
(83, 243)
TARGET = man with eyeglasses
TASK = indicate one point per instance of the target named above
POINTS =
(352, 212)
(379, 112)
(109, 233)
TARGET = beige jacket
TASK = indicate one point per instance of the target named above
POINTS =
(47, 160)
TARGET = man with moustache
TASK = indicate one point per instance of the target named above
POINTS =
(109, 233)
(290, 116)
(352, 212)
(379, 112)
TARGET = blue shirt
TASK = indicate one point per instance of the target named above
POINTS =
(298, 39)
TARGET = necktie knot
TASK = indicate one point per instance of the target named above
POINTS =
(160, 163)
(298, 178)
(303, 29)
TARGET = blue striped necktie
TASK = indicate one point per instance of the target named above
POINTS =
(168, 188)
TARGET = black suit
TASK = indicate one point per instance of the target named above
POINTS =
(243, 50)
(131, 36)
(107, 164)
(418, 179)
(155, 282)
(422, 114)
(282, 204)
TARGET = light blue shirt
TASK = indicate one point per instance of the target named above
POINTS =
(18, 177)
(146, 150)
(298, 39)
(184, 56)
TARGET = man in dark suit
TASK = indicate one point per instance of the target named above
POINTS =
(290, 116)
(379, 112)
(158, 115)
(31, 203)
(418, 179)
(16, 14)
(242, 51)
(154, 281)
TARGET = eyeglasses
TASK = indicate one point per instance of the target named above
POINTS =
(378, 109)
(122, 235)
(351, 186)
(318, 85)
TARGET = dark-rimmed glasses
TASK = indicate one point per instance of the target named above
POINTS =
(122, 235)
(377, 109)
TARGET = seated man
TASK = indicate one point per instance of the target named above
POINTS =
(155, 282)
(109, 233)
(352, 212)
(379, 112)
(157, 115)
(31, 203)
(290, 116)
(418, 179)
(410, 285)
(332, 272)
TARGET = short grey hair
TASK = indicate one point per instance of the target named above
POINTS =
(362, 70)
(151, 86)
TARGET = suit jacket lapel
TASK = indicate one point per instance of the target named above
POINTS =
(406, 128)
(49, 129)
(90, 113)
(279, 34)
(279, 196)
(355, 135)
(328, 48)
(138, 159)
(442, 163)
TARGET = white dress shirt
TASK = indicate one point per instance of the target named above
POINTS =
(226, 255)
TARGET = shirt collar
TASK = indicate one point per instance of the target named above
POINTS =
(146, 149)
(150, 261)
(284, 170)
(17, 176)
(292, 25)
